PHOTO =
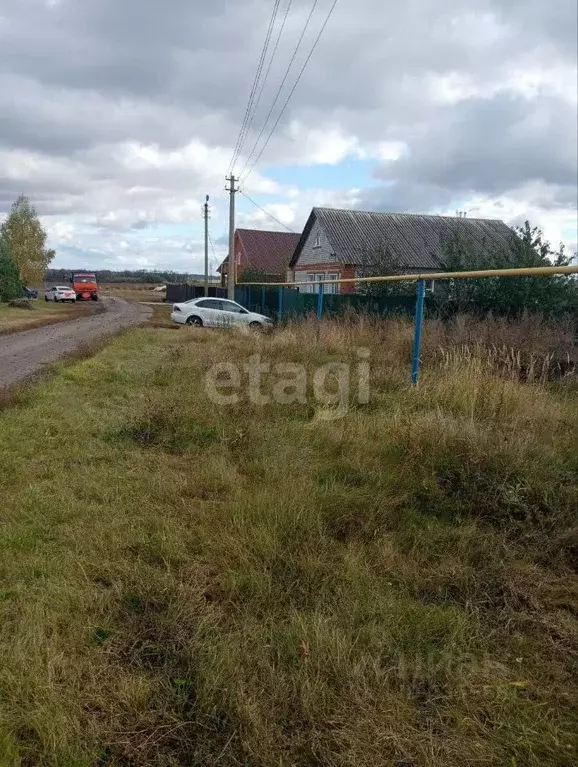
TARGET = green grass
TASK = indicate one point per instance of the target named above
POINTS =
(189, 584)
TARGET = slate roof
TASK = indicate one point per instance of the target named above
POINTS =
(414, 240)
(269, 252)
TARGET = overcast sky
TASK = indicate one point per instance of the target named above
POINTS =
(118, 116)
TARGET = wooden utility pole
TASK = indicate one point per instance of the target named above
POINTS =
(232, 189)
(206, 217)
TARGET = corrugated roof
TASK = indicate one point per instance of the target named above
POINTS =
(415, 241)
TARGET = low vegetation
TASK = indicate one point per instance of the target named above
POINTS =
(133, 292)
(185, 583)
(38, 313)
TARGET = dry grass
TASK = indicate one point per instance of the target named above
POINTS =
(12, 320)
(191, 584)
(160, 317)
(132, 292)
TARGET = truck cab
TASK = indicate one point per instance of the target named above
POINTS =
(85, 286)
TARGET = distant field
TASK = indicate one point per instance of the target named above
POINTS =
(13, 320)
(256, 585)
(132, 292)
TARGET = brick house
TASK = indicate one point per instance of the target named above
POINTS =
(261, 251)
(338, 244)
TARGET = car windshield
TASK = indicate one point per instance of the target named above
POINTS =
(63, 287)
(85, 278)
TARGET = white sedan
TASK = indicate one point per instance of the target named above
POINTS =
(60, 293)
(217, 313)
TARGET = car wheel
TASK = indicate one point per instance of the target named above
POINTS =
(197, 321)
(46, 298)
(256, 326)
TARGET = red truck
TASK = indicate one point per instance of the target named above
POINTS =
(85, 286)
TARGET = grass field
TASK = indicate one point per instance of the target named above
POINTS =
(185, 583)
(135, 291)
(132, 292)
(12, 319)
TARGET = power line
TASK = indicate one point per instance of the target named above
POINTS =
(243, 131)
(264, 82)
(256, 204)
(283, 81)
(303, 68)
(246, 122)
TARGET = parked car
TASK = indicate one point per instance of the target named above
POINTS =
(60, 293)
(30, 293)
(216, 313)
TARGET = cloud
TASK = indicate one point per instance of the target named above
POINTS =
(118, 117)
(494, 145)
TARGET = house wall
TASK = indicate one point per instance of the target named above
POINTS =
(310, 254)
(315, 259)
(347, 273)
(331, 267)
(240, 262)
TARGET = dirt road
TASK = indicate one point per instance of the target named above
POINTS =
(26, 353)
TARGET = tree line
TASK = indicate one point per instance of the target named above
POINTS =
(107, 276)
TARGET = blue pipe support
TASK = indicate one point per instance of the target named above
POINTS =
(320, 302)
(418, 328)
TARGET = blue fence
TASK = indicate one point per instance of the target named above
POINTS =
(287, 303)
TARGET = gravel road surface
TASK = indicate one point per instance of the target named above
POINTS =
(25, 353)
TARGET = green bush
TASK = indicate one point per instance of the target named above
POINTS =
(553, 296)
(11, 286)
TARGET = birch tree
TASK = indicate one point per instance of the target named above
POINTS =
(25, 240)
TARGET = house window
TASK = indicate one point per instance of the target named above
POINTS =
(317, 241)
(328, 288)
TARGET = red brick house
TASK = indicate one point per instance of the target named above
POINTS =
(339, 244)
(266, 252)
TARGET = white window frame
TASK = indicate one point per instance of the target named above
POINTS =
(327, 288)
(331, 289)
(310, 278)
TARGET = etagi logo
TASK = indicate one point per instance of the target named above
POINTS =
(332, 388)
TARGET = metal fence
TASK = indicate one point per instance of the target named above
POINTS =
(287, 303)
(181, 291)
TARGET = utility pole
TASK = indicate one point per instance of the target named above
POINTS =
(206, 217)
(232, 189)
